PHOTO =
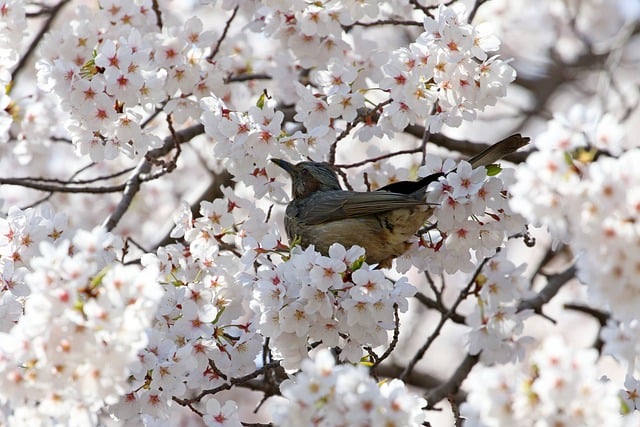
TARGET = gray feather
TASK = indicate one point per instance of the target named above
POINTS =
(327, 206)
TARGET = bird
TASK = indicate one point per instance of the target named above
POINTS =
(382, 221)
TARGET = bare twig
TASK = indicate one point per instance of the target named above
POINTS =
(443, 319)
(247, 77)
(156, 9)
(38, 184)
(381, 22)
(378, 158)
(364, 114)
(476, 6)
(53, 14)
(215, 50)
(231, 382)
(602, 317)
(416, 5)
(394, 340)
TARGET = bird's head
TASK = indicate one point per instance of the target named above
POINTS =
(309, 177)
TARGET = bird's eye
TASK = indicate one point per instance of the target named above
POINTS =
(305, 172)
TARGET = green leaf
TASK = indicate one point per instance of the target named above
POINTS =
(624, 408)
(262, 100)
(493, 170)
(358, 263)
(366, 361)
(97, 279)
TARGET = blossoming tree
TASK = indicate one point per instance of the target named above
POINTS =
(144, 273)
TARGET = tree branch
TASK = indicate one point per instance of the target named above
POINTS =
(53, 14)
(452, 386)
(42, 185)
(135, 180)
(443, 318)
(554, 284)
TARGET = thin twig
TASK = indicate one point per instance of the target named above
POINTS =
(602, 317)
(476, 6)
(215, 50)
(247, 77)
(394, 340)
(396, 22)
(231, 382)
(378, 158)
(426, 135)
(156, 9)
(62, 188)
(72, 181)
(363, 114)
(53, 13)
(443, 319)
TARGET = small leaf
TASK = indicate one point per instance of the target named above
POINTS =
(585, 155)
(624, 407)
(493, 170)
(358, 263)
(263, 99)
(97, 279)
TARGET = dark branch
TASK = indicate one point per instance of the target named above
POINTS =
(452, 386)
(554, 284)
(135, 180)
(53, 14)
(38, 184)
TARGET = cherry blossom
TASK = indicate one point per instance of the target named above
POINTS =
(145, 275)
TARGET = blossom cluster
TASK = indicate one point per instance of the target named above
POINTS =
(445, 76)
(557, 385)
(202, 334)
(336, 300)
(21, 234)
(580, 167)
(313, 32)
(496, 324)
(12, 24)
(622, 341)
(89, 337)
(112, 67)
(326, 394)
(248, 140)
(473, 218)
(69, 353)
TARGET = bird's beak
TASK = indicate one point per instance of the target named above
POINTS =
(289, 167)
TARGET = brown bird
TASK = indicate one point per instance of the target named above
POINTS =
(382, 222)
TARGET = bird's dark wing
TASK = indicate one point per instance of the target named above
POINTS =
(498, 150)
(408, 187)
(325, 206)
